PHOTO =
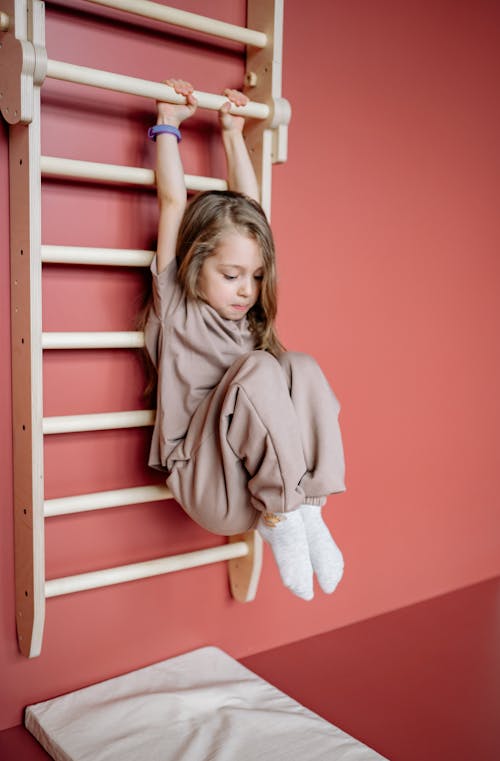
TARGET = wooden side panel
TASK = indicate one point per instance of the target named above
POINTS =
(25, 244)
(27, 384)
(244, 572)
(266, 141)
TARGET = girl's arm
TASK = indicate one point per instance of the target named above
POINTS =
(240, 172)
(170, 185)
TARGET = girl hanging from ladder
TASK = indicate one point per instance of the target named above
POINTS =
(246, 432)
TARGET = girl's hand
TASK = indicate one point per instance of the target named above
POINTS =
(240, 172)
(172, 113)
(229, 122)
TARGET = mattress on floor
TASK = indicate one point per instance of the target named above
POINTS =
(201, 706)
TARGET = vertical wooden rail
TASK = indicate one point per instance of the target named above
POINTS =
(22, 67)
(266, 141)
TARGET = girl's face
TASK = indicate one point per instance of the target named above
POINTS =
(230, 278)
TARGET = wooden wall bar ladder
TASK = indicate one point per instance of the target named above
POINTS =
(23, 67)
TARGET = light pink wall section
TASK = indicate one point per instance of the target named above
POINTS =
(387, 224)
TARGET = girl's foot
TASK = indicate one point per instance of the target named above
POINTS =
(326, 558)
(285, 534)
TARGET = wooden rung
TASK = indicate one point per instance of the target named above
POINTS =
(93, 340)
(107, 80)
(121, 257)
(53, 166)
(188, 21)
(147, 569)
(79, 503)
(102, 421)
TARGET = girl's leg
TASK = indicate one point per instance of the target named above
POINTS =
(265, 440)
(242, 454)
(326, 558)
(287, 539)
(317, 411)
(314, 408)
(243, 457)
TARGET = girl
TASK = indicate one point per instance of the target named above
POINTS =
(247, 432)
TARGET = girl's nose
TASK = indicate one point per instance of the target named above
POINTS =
(245, 288)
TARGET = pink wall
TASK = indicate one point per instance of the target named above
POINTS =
(386, 218)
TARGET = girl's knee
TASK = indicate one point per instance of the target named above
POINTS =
(296, 361)
(288, 361)
(259, 363)
(259, 358)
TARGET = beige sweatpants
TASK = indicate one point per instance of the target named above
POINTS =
(266, 438)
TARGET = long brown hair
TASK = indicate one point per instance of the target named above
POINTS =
(207, 219)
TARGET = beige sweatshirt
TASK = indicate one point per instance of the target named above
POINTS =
(191, 347)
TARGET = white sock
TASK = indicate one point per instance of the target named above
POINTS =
(326, 558)
(288, 542)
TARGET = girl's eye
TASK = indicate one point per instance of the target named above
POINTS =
(229, 277)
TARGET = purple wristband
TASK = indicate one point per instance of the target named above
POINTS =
(159, 128)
